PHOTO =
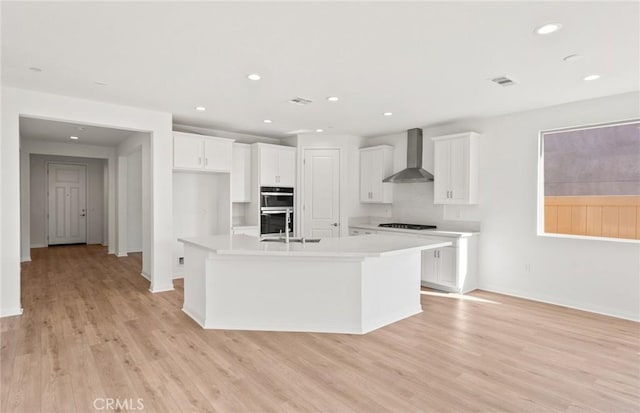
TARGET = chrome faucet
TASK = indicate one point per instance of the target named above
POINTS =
(286, 225)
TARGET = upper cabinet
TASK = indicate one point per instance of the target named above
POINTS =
(201, 153)
(241, 173)
(277, 165)
(456, 169)
(376, 163)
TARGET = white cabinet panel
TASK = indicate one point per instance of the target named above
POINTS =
(429, 266)
(447, 266)
(241, 173)
(286, 167)
(201, 153)
(456, 169)
(217, 155)
(376, 163)
(187, 152)
(277, 165)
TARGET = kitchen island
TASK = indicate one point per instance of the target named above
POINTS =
(339, 285)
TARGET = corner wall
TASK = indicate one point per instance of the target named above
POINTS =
(16, 102)
(598, 276)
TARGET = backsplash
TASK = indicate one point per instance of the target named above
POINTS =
(413, 203)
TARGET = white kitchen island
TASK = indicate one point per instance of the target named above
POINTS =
(339, 285)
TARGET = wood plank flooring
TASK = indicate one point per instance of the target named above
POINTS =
(91, 329)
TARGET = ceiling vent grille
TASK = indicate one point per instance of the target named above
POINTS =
(300, 101)
(503, 81)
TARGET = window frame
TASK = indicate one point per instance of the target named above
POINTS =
(540, 189)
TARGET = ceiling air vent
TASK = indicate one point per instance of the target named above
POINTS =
(300, 101)
(503, 81)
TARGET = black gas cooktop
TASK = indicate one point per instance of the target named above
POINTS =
(407, 226)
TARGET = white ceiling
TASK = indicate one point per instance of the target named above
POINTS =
(31, 128)
(427, 62)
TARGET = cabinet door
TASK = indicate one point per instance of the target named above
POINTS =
(241, 173)
(365, 176)
(217, 155)
(459, 171)
(442, 154)
(268, 166)
(375, 173)
(286, 169)
(429, 266)
(447, 266)
(188, 152)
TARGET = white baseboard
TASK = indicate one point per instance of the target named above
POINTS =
(9, 312)
(162, 289)
(135, 250)
(39, 245)
(145, 275)
(555, 301)
(121, 256)
(178, 276)
(25, 259)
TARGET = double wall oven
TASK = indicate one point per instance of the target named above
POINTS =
(275, 202)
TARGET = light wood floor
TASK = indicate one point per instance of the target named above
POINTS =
(90, 329)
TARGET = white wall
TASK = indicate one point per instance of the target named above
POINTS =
(201, 206)
(599, 276)
(17, 102)
(38, 197)
(134, 201)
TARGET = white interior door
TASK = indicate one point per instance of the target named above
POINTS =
(321, 193)
(67, 212)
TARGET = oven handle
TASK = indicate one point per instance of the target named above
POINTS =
(279, 211)
(277, 193)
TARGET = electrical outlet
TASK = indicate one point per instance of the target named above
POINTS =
(181, 260)
(527, 267)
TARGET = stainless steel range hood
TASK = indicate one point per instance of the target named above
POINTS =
(414, 172)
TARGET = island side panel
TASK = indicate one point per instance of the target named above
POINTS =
(390, 289)
(284, 294)
(194, 305)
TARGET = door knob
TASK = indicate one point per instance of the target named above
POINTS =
(335, 224)
(83, 215)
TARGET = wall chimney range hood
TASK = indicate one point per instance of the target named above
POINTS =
(414, 172)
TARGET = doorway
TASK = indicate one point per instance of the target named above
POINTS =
(321, 206)
(67, 204)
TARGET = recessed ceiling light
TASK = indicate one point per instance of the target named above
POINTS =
(592, 77)
(201, 108)
(571, 58)
(75, 138)
(387, 114)
(319, 130)
(35, 69)
(254, 76)
(97, 82)
(267, 121)
(333, 99)
(548, 28)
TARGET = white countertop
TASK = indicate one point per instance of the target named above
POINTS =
(425, 232)
(345, 247)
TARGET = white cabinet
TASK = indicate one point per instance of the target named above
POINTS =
(376, 163)
(201, 153)
(355, 231)
(456, 169)
(251, 231)
(241, 173)
(187, 151)
(439, 266)
(277, 165)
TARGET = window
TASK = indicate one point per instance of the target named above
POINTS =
(589, 181)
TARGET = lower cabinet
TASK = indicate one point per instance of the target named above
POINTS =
(453, 269)
(353, 231)
(439, 266)
(252, 231)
